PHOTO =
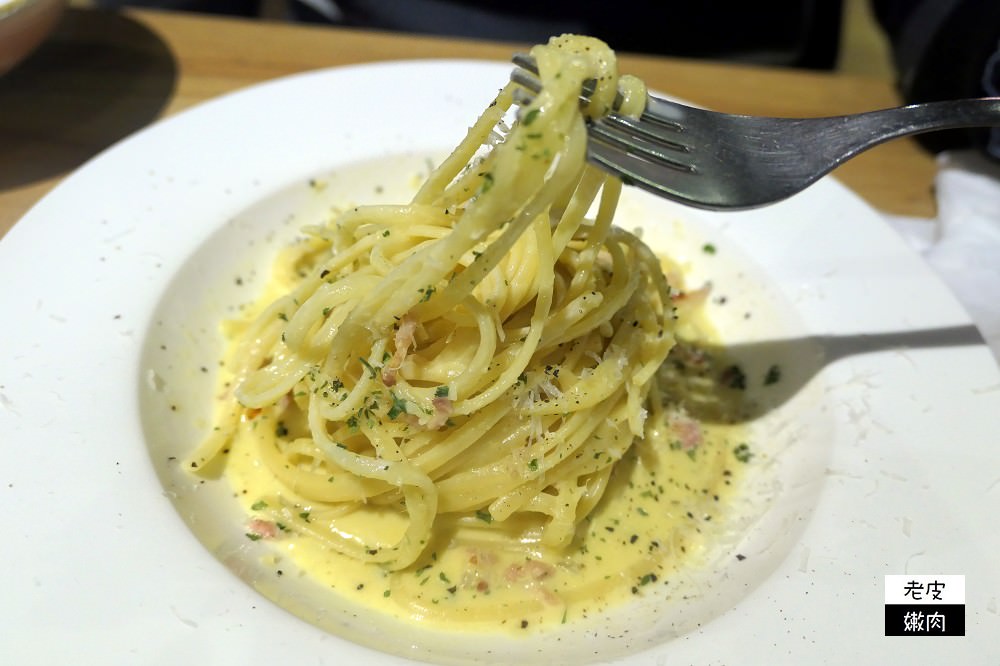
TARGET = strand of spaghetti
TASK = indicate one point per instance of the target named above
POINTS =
(345, 487)
(543, 301)
(419, 496)
(365, 384)
(466, 149)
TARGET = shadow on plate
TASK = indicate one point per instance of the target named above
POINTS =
(60, 107)
(742, 382)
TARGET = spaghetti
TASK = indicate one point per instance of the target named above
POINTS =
(473, 366)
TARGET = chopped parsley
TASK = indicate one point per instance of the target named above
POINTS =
(427, 292)
(258, 505)
(484, 516)
(487, 182)
(398, 406)
(442, 391)
(368, 366)
(743, 452)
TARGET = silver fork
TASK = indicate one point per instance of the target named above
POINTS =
(720, 161)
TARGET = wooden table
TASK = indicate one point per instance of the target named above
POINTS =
(105, 75)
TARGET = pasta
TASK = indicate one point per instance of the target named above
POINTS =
(475, 364)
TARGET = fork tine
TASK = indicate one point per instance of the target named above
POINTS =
(653, 153)
(526, 80)
(615, 140)
(633, 170)
(642, 135)
(525, 62)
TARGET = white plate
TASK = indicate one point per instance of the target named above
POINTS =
(880, 441)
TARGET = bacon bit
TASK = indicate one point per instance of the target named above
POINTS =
(442, 410)
(479, 570)
(687, 429)
(539, 570)
(533, 569)
(263, 528)
(404, 340)
(699, 295)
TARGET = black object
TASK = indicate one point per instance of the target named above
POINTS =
(946, 49)
(795, 33)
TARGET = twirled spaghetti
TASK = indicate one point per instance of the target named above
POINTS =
(476, 363)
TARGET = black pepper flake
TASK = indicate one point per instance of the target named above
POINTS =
(524, 624)
(740, 557)
(734, 378)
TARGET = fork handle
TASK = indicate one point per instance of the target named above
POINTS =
(887, 124)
